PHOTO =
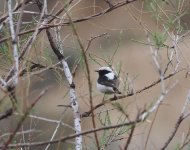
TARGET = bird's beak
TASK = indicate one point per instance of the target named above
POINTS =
(96, 70)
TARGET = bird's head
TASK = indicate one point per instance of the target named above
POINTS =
(104, 70)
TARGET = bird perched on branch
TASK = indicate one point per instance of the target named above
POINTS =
(108, 81)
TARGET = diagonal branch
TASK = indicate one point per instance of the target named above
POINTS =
(88, 78)
(140, 118)
(63, 139)
(86, 114)
(73, 98)
(4, 17)
(66, 23)
(179, 121)
(22, 120)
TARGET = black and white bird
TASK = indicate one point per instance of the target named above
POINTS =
(108, 81)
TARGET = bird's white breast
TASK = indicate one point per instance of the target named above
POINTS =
(105, 89)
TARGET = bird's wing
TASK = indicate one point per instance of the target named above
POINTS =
(111, 83)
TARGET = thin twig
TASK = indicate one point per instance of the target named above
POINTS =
(6, 145)
(48, 120)
(179, 121)
(28, 44)
(86, 49)
(18, 133)
(154, 52)
(86, 114)
(88, 78)
(138, 119)
(130, 137)
(66, 23)
(4, 17)
(150, 129)
(63, 139)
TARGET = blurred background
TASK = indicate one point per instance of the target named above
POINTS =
(125, 42)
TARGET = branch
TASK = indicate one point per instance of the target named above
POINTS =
(130, 137)
(29, 43)
(179, 121)
(14, 43)
(139, 118)
(86, 114)
(6, 114)
(73, 98)
(88, 78)
(3, 18)
(66, 23)
(86, 49)
(63, 139)
(22, 120)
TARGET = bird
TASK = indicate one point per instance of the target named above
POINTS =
(108, 82)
